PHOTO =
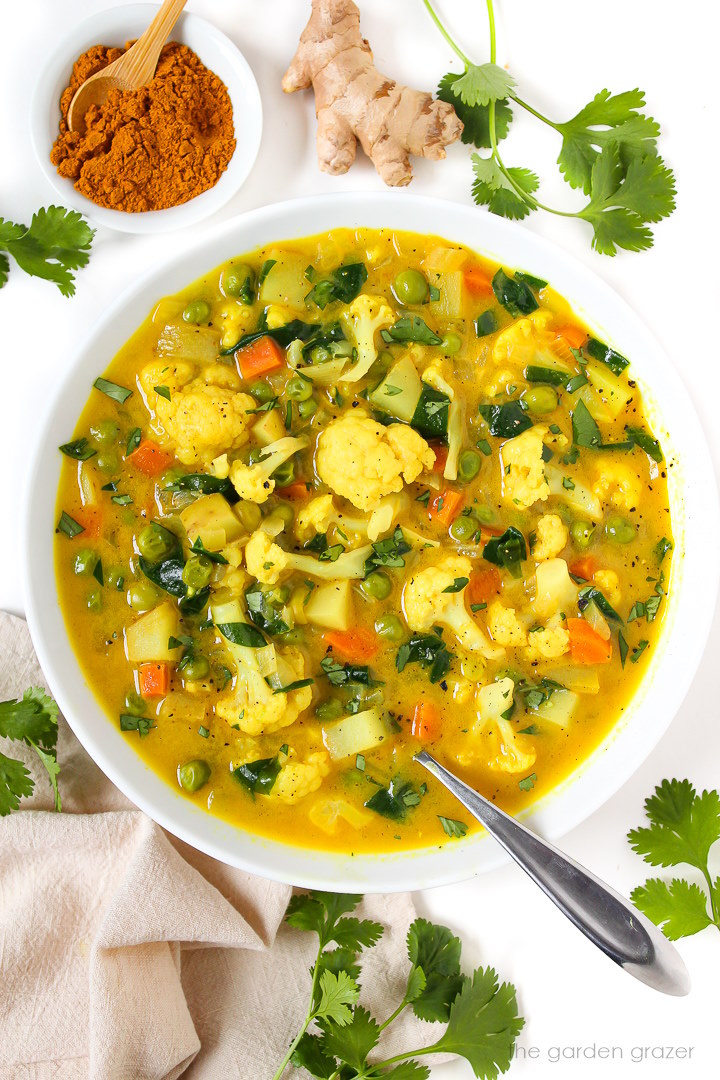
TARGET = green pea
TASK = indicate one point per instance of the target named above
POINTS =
(389, 627)
(193, 775)
(142, 596)
(85, 561)
(329, 710)
(239, 281)
(320, 355)
(410, 287)
(285, 512)
(581, 533)
(540, 399)
(377, 586)
(451, 344)
(194, 668)
(306, 409)
(285, 473)
(249, 514)
(262, 391)
(463, 528)
(298, 389)
(135, 703)
(620, 530)
(116, 577)
(197, 311)
(484, 514)
(155, 542)
(104, 431)
(108, 461)
(197, 572)
(468, 466)
(94, 600)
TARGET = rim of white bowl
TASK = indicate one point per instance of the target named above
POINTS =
(123, 23)
(690, 603)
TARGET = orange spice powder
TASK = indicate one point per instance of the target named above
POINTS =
(151, 148)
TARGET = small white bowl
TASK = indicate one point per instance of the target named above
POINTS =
(114, 27)
(688, 608)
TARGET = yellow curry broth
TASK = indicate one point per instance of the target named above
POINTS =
(182, 726)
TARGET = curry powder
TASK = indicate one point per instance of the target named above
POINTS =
(151, 148)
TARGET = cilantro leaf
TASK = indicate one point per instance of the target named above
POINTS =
(435, 952)
(305, 912)
(337, 960)
(683, 828)
(4, 266)
(622, 202)
(408, 1070)
(33, 720)
(15, 784)
(680, 908)
(606, 120)
(483, 1024)
(309, 1054)
(337, 993)
(356, 934)
(482, 83)
(475, 118)
(56, 242)
(351, 1042)
(495, 189)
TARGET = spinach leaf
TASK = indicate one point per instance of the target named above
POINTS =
(340, 674)
(262, 612)
(508, 550)
(194, 604)
(69, 526)
(598, 350)
(585, 430)
(534, 373)
(282, 334)
(141, 724)
(486, 324)
(344, 284)
(258, 776)
(516, 296)
(431, 413)
(80, 450)
(428, 650)
(644, 440)
(204, 484)
(240, 633)
(507, 420)
(591, 594)
(214, 556)
(112, 390)
(534, 282)
(394, 800)
(411, 328)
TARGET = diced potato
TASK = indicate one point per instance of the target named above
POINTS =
(269, 428)
(354, 734)
(595, 618)
(181, 341)
(494, 699)
(580, 498)
(581, 679)
(213, 520)
(444, 259)
(450, 304)
(554, 589)
(325, 374)
(285, 282)
(187, 708)
(331, 605)
(146, 640)
(405, 389)
(328, 814)
(228, 612)
(559, 708)
(612, 389)
(598, 409)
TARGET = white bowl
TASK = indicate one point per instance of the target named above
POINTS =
(689, 607)
(217, 52)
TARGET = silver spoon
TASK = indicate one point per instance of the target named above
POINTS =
(606, 918)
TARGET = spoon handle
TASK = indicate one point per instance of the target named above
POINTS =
(606, 918)
(141, 60)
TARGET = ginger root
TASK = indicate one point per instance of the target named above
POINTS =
(355, 102)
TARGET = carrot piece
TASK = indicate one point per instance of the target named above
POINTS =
(586, 645)
(573, 335)
(477, 282)
(446, 506)
(149, 458)
(298, 490)
(483, 585)
(357, 645)
(259, 357)
(441, 455)
(425, 722)
(154, 680)
(90, 517)
(584, 567)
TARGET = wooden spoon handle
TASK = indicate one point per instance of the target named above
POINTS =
(141, 60)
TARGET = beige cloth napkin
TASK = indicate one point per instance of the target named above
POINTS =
(127, 955)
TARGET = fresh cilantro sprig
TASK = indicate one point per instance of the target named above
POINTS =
(608, 151)
(32, 720)
(481, 1015)
(56, 242)
(683, 827)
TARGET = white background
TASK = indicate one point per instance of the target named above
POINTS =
(561, 52)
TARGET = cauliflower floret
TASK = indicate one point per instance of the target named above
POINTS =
(609, 584)
(552, 536)
(504, 626)
(433, 375)
(492, 738)
(523, 472)
(385, 514)
(205, 417)
(236, 319)
(500, 380)
(250, 704)
(365, 316)
(426, 602)
(266, 561)
(319, 514)
(254, 482)
(548, 643)
(364, 461)
(297, 779)
(618, 484)
(519, 342)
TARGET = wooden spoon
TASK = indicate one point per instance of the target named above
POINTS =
(133, 69)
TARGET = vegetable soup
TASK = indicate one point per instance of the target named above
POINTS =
(353, 495)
